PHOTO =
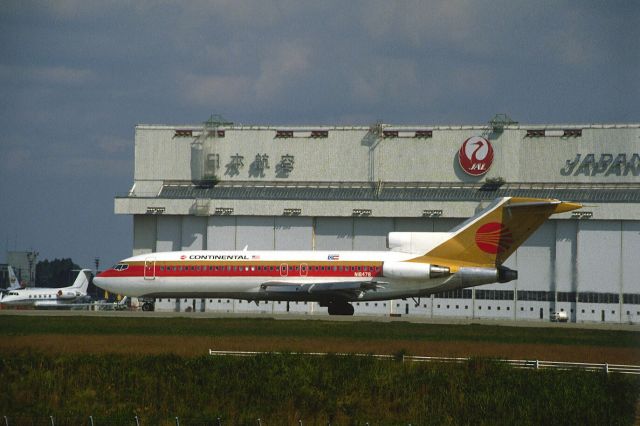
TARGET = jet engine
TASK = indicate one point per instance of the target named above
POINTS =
(472, 276)
(413, 271)
(66, 294)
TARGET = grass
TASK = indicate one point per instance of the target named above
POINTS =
(354, 331)
(281, 389)
(154, 368)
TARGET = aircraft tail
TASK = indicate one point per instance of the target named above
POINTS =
(14, 283)
(82, 280)
(491, 236)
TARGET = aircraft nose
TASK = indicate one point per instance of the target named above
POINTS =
(101, 281)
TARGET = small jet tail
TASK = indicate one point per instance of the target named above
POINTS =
(491, 236)
(14, 283)
(82, 281)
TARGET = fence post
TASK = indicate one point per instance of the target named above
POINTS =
(259, 422)
(177, 421)
(6, 421)
(606, 368)
(219, 422)
(91, 420)
(137, 422)
(52, 422)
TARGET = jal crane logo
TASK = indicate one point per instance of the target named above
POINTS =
(475, 156)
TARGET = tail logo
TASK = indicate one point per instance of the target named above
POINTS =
(493, 238)
(475, 156)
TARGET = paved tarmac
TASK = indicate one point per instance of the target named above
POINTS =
(321, 317)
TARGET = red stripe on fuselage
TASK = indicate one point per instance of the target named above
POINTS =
(249, 269)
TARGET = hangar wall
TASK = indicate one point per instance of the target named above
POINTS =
(223, 187)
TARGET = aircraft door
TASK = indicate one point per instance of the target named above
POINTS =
(304, 269)
(150, 269)
(284, 269)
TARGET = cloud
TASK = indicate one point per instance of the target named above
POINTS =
(62, 75)
(281, 65)
(207, 90)
(48, 75)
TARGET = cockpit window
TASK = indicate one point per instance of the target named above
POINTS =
(121, 267)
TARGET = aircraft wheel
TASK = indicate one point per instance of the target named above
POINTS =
(147, 307)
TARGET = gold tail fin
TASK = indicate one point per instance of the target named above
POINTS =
(490, 237)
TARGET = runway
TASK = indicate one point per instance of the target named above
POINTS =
(321, 317)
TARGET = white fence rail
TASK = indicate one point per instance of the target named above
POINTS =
(517, 363)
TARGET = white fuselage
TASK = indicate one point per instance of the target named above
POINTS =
(269, 275)
(42, 297)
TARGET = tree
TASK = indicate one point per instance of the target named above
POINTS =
(55, 273)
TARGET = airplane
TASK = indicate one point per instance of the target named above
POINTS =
(14, 282)
(42, 297)
(418, 264)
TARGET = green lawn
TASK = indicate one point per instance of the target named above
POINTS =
(281, 389)
(358, 330)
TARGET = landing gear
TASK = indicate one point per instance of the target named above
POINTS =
(340, 308)
(147, 306)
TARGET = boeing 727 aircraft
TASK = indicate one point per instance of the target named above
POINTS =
(419, 264)
(42, 297)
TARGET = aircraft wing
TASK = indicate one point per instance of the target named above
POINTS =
(331, 289)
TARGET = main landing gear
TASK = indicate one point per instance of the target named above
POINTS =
(340, 308)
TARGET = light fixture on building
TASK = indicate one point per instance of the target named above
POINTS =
(155, 210)
(431, 213)
(535, 133)
(361, 212)
(223, 211)
(319, 133)
(291, 212)
(284, 133)
(183, 133)
(423, 134)
(572, 133)
(581, 215)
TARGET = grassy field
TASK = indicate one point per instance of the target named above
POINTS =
(282, 389)
(158, 368)
(193, 337)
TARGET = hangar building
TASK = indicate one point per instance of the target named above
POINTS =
(223, 186)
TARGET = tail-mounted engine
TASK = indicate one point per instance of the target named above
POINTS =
(413, 271)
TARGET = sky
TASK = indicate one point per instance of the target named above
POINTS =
(76, 76)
